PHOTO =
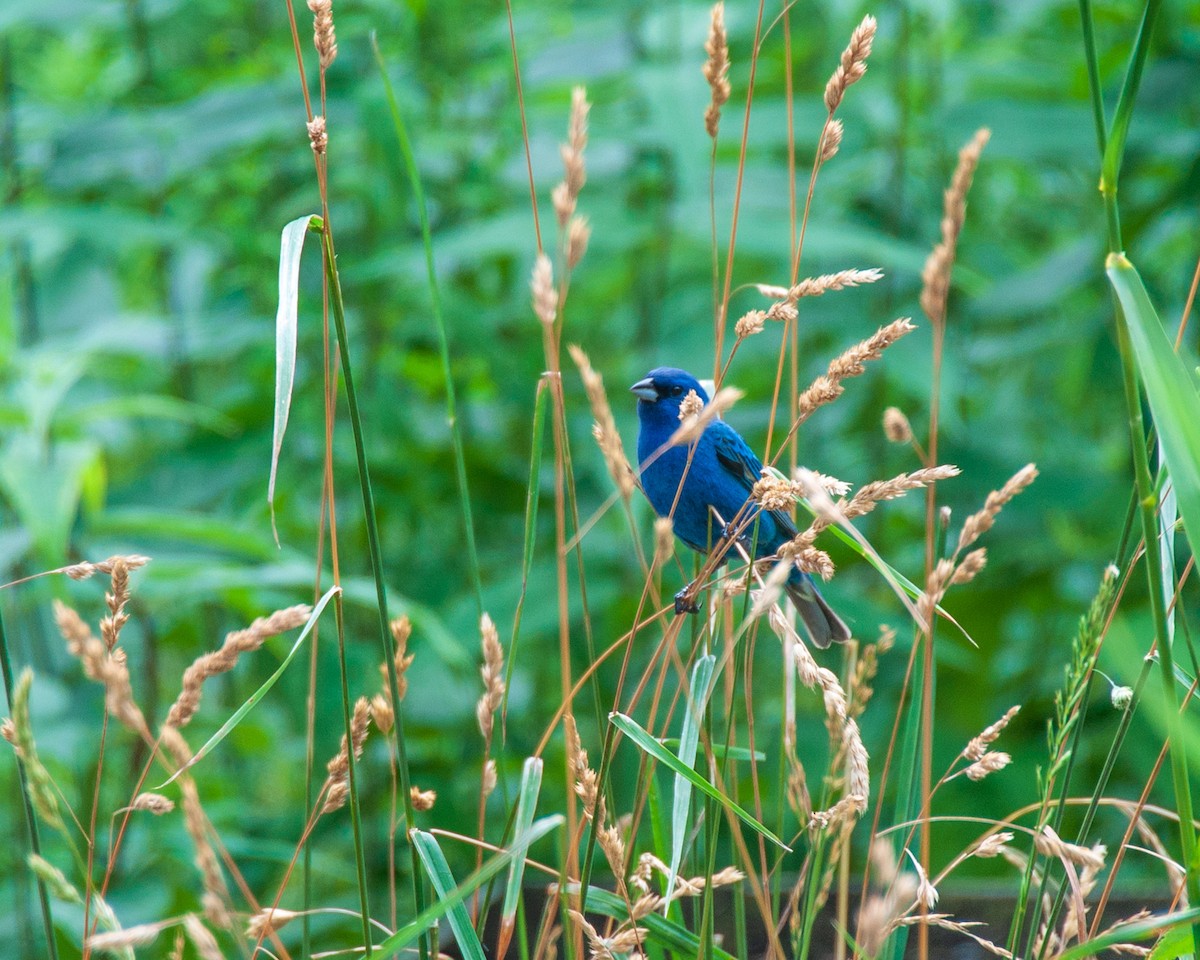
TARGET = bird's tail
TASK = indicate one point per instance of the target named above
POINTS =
(823, 625)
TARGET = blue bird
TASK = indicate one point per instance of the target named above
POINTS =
(722, 474)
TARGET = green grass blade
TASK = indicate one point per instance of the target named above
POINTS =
(531, 785)
(689, 740)
(1138, 930)
(240, 713)
(531, 511)
(720, 751)
(1170, 391)
(444, 886)
(638, 735)
(435, 299)
(668, 934)
(291, 243)
(408, 933)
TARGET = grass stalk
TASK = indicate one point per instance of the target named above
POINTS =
(31, 825)
(376, 558)
(1113, 153)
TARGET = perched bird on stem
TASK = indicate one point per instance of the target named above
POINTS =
(713, 476)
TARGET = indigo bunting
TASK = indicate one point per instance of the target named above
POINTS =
(721, 476)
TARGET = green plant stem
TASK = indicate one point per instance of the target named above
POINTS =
(35, 845)
(385, 634)
(352, 765)
(435, 299)
(1113, 153)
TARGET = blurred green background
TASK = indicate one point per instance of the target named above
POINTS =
(151, 151)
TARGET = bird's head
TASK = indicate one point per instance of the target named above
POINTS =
(662, 390)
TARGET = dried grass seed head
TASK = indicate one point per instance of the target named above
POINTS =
(226, 657)
(318, 135)
(492, 673)
(851, 363)
(716, 68)
(750, 324)
(981, 522)
(896, 426)
(579, 232)
(694, 424)
(852, 65)
(422, 800)
(566, 195)
(664, 541)
(324, 37)
(266, 922)
(154, 803)
(608, 438)
(935, 276)
(337, 783)
(831, 140)
(85, 570)
(545, 296)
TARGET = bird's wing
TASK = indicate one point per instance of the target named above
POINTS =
(744, 467)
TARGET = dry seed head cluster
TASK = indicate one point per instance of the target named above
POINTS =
(225, 658)
(831, 140)
(337, 783)
(825, 283)
(492, 673)
(750, 324)
(979, 523)
(896, 426)
(545, 296)
(853, 63)
(85, 570)
(318, 135)
(324, 38)
(716, 68)
(608, 438)
(694, 424)
(104, 666)
(828, 387)
(935, 277)
(566, 194)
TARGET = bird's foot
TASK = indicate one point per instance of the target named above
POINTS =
(732, 532)
(685, 602)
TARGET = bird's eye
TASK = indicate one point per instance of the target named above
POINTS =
(676, 391)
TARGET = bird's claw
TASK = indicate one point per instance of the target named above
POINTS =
(730, 532)
(685, 602)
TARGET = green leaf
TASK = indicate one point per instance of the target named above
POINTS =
(1170, 391)
(291, 243)
(631, 729)
(531, 784)
(688, 742)
(258, 694)
(444, 886)
(408, 933)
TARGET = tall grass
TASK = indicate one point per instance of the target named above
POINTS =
(682, 791)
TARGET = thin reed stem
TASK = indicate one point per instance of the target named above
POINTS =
(31, 824)
(376, 557)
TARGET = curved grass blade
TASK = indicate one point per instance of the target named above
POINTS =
(638, 735)
(444, 886)
(290, 245)
(689, 740)
(531, 785)
(1170, 390)
(1138, 930)
(408, 933)
(659, 930)
(258, 694)
(720, 751)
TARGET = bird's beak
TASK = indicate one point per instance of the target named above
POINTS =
(644, 390)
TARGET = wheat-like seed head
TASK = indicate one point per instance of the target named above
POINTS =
(716, 68)
(831, 139)
(566, 195)
(318, 135)
(896, 426)
(422, 800)
(693, 424)
(980, 522)
(226, 657)
(324, 38)
(492, 673)
(608, 438)
(266, 922)
(853, 63)
(828, 387)
(337, 783)
(545, 296)
(935, 276)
